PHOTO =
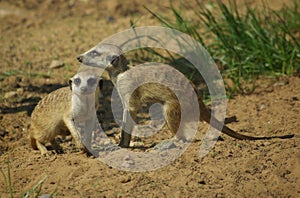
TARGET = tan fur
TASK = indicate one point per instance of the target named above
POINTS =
(51, 117)
(110, 57)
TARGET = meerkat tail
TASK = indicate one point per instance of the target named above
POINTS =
(206, 116)
(239, 136)
(33, 143)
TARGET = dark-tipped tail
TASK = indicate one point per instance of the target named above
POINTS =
(206, 116)
(239, 136)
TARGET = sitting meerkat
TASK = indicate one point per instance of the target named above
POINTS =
(57, 113)
(111, 58)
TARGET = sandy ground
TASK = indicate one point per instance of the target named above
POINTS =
(33, 34)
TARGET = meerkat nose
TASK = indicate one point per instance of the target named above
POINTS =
(83, 88)
(79, 58)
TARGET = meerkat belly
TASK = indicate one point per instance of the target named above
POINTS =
(47, 128)
(47, 117)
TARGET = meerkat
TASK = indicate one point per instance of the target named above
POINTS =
(111, 58)
(56, 113)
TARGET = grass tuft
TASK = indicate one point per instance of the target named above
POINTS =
(245, 44)
(35, 191)
(7, 179)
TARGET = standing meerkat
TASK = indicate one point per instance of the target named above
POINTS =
(111, 58)
(56, 113)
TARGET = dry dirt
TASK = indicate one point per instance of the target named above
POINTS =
(33, 33)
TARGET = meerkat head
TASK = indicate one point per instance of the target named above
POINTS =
(85, 83)
(105, 56)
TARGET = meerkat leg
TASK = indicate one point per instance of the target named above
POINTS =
(172, 116)
(87, 133)
(41, 147)
(129, 117)
(74, 133)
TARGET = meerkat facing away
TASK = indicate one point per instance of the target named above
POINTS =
(55, 114)
(111, 58)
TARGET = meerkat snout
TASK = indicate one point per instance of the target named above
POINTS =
(83, 89)
(104, 56)
(79, 58)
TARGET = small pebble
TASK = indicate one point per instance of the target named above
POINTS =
(165, 145)
(20, 91)
(125, 179)
(127, 158)
(56, 64)
(137, 144)
(10, 94)
(126, 164)
(45, 196)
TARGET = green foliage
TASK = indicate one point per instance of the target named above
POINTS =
(7, 179)
(244, 44)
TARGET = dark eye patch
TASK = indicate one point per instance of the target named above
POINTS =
(91, 81)
(100, 84)
(77, 81)
(94, 53)
(114, 60)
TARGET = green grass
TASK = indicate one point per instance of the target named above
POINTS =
(35, 191)
(7, 179)
(22, 73)
(244, 45)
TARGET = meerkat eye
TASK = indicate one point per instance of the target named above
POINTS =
(91, 81)
(94, 53)
(77, 81)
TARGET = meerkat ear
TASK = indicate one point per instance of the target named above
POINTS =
(70, 84)
(100, 83)
(124, 62)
